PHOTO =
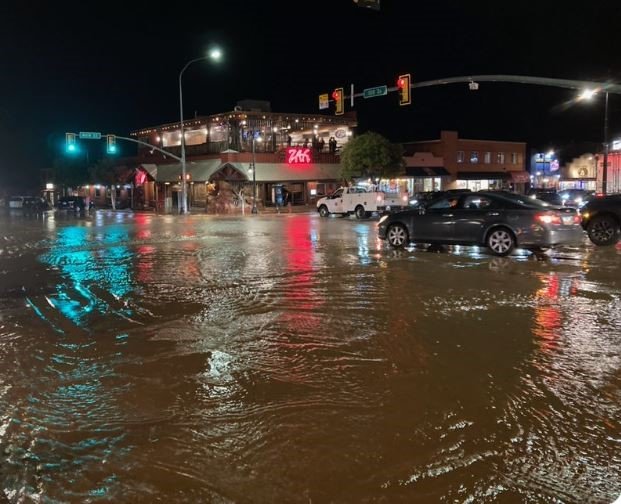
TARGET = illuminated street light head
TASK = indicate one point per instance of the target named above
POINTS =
(587, 94)
(215, 54)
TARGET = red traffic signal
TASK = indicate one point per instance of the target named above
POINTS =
(404, 85)
(339, 99)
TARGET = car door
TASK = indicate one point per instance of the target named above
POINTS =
(436, 223)
(473, 216)
(335, 201)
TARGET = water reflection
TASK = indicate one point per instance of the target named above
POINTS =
(296, 359)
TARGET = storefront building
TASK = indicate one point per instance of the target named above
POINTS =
(545, 170)
(468, 164)
(580, 173)
(299, 153)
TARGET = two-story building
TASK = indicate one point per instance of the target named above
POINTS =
(465, 164)
(247, 146)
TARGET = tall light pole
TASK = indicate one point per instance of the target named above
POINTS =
(588, 94)
(215, 54)
(605, 173)
(254, 176)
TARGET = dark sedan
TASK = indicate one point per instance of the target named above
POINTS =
(601, 218)
(500, 221)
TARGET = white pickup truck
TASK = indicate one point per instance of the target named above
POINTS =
(360, 201)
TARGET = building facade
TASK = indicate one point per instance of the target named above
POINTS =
(467, 164)
(239, 150)
(580, 173)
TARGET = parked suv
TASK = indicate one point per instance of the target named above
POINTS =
(601, 218)
(548, 195)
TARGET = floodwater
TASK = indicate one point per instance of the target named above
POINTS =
(289, 358)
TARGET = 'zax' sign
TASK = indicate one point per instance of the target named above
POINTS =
(298, 155)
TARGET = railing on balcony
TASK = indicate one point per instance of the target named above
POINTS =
(262, 155)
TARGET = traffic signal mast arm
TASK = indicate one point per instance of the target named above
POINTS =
(516, 79)
(70, 139)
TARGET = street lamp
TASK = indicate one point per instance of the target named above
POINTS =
(254, 176)
(214, 54)
(588, 94)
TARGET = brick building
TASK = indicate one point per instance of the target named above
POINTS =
(465, 164)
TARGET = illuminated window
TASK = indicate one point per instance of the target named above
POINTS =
(514, 158)
(474, 157)
(500, 157)
(460, 156)
(487, 158)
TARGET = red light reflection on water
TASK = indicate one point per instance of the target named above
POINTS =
(144, 266)
(300, 260)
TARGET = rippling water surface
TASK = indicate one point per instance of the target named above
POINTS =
(289, 358)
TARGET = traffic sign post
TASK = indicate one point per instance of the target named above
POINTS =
(375, 91)
(90, 135)
(324, 101)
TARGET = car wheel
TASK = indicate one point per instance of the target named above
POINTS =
(500, 241)
(323, 211)
(397, 235)
(603, 230)
(360, 212)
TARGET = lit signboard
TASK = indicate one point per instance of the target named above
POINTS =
(616, 145)
(298, 155)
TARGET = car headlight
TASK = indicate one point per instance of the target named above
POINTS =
(413, 202)
(383, 218)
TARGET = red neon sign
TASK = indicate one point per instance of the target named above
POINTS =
(298, 155)
(141, 178)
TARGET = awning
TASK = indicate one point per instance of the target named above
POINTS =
(414, 171)
(151, 169)
(439, 171)
(520, 177)
(468, 175)
(426, 171)
(199, 171)
(203, 171)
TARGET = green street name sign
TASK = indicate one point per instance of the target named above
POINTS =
(375, 91)
(90, 135)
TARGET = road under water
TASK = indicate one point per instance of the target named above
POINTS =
(289, 358)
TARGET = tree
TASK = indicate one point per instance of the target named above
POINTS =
(107, 172)
(69, 171)
(370, 155)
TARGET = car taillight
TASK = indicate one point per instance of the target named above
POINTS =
(577, 219)
(548, 218)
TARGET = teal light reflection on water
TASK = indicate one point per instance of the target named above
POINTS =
(97, 270)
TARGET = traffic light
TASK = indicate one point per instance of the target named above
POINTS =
(339, 99)
(403, 85)
(111, 144)
(70, 143)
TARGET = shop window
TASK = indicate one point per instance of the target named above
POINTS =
(487, 158)
(474, 157)
(460, 156)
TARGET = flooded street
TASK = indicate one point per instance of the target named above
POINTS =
(289, 358)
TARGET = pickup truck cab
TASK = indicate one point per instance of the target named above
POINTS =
(360, 201)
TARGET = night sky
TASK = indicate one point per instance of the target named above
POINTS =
(104, 66)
